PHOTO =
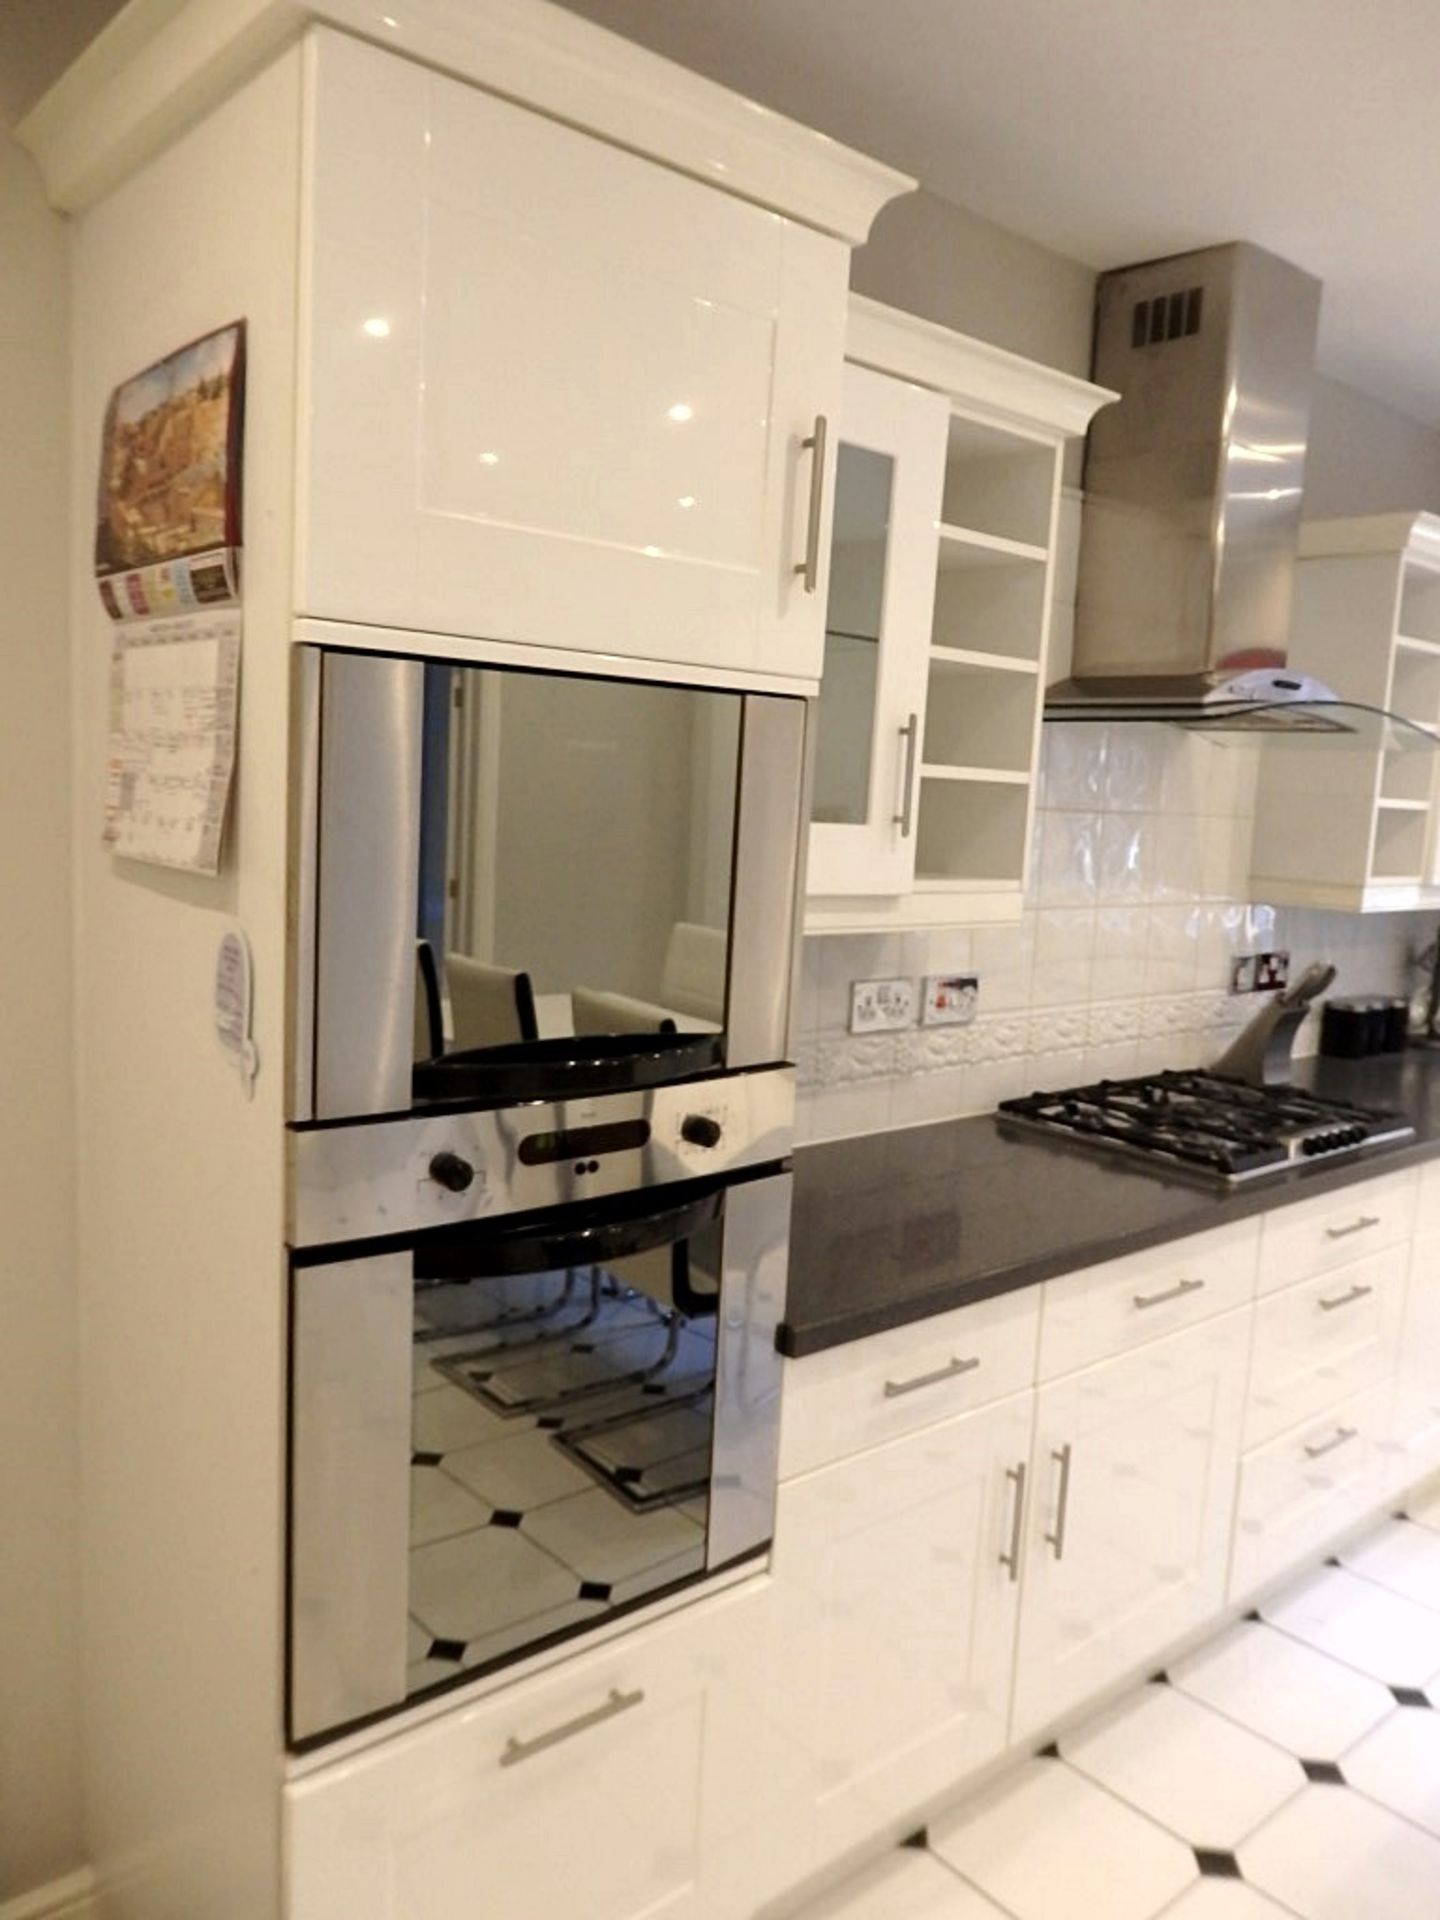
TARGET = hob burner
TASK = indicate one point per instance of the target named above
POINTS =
(1222, 1130)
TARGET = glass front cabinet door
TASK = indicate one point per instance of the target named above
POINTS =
(889, 479)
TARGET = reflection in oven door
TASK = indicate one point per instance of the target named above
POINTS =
(507, 1434)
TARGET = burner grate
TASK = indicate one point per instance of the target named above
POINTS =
(1222, 1129)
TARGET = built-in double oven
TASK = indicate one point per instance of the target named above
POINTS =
(541, 1125)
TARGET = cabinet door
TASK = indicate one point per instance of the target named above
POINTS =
(1414, 1448)
(576, 1795)
(902, 1615)
(553, 392)
(1133, 1479)
(889, 475)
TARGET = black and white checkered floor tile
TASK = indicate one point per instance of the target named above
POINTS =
(1288, 1771)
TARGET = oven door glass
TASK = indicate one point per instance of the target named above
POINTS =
(507, 1434)
(577, 856)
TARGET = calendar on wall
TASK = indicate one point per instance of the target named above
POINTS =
(167, 567)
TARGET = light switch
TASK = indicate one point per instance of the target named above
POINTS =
(951, 999)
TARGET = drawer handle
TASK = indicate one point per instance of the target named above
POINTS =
(814, 445)
(1177, 1292)
(1355, 1226)
(1339, 1439)
(1357, 1292)
(893, 1388)
(1062, 1506)
(616, 1702)
(1012, 1558)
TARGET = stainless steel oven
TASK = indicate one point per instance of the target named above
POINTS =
(506, 1432)
(514, 883)
(540, 1138)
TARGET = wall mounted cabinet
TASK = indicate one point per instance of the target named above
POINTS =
(1354, 828)
(928, 727)
(556, 393)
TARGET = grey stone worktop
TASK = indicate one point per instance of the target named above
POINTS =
(890, 1227)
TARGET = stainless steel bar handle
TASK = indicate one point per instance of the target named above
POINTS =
(815, 444)
(1356, 1226)
(1062, 1506)
(893, 1388)
(616, 1702)
(1357, 1292)
(910, 734)
(1342, 1435)
(1017, 1519)
(1177, 1292)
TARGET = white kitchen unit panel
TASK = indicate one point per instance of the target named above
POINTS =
(1103, 1311)
(574, 1795)
(857, 1396)
(900, 1570)
(1414, 1440)
(1301, 1490)
(1131, 1499)
(890, 474)
(1335, 1228)
(1323, 1340)
(553, 392)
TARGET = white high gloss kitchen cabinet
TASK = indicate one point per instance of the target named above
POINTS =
(476, 227)
(904, 1564)
(943, 575)
(554, 392)
(579, 1795)
(1133, 1474)
(1356, 829)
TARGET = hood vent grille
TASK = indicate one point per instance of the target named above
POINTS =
(1169, 316)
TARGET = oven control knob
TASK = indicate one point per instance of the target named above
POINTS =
(700, 1130)
(448, 1170)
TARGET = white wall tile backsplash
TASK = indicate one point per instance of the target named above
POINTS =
(1121, 960)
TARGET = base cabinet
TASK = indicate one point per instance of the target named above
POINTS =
(578, 1795)
(1414, 1448)
(899, 1571)
(1133, 1475)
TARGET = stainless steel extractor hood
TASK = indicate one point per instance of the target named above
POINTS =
(1193, 485)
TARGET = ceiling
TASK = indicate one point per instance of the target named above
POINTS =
(1116, 130)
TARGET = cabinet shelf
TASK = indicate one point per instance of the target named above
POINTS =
(969, 547)
(942, 657)
(1411, 644)
(980, 776)
(1403, 806)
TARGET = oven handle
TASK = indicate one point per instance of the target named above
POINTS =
(485, 1251)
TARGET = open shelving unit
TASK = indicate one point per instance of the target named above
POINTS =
(1357, 829)
(984, 651)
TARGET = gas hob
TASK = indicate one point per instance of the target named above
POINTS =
(1219, 1130)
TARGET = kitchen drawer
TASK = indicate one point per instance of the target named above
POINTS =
(858, 1396)
(461, 1813)
(1301, 1490)
(1324, 1340)
(1336, 1228)
(1107, 1310)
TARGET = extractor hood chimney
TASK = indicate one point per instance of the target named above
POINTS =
(1193, 485)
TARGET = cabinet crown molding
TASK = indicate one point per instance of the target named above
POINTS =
(1016, 389)
(1416, 535)
(160, 65)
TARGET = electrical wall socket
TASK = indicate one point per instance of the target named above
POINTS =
(881, 1006)
(950, 999)
(1259, 972)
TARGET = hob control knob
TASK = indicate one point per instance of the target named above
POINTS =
(448, 1170)
(700, 1130)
